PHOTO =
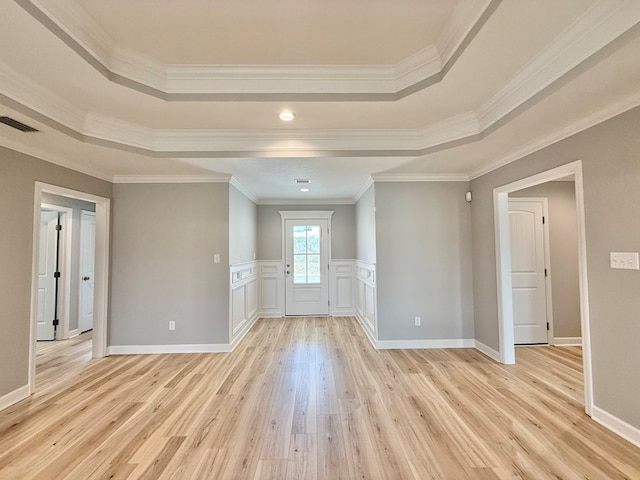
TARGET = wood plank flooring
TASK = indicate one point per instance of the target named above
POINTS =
(309, 398)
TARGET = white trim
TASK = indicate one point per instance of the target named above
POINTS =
(318, 202)
(305, 215)
(365, 187)
(420, 177)
(558, 135)
(503, 267)
(567, 341)
(96, 46)
(368, 332)
(101, 284)
(424, 344)
(165, 349)
(14, 396)
(488, 351)
(248, 325)
(616, 425)
(219, 178)
(242, 189)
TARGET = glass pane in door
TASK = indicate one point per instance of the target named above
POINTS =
(306, 254)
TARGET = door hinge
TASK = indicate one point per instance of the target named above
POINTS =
(543, 220)
(56, 322)
(56, 275)
(329, 302)
(59, 227)
(545, 272)
(547, 325)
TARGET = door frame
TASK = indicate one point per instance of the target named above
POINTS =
(101, 296)
(65, 256)
(547, 259)
(304, 215)
(503, 267)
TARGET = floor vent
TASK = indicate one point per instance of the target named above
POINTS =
(17, 125)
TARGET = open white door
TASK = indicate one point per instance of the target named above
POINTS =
(87, 269)
(46, 278)
(307, 267)
(528, 271)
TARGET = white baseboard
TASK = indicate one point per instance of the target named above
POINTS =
(567, 341)
(245, 329)
(488, 351)
(161, 349)
(14, 397)
(270, 314)
(424, 344)
(368, 332)
(617, 426)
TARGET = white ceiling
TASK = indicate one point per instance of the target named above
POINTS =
(158, 90)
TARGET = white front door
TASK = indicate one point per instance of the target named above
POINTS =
(46, 278)
(528, 271)
(87, 268)
(307, 267)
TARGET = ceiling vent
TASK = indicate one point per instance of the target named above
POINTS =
(303, 181)
(17, 125)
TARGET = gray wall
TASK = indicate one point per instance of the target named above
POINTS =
(243, 224)
(610, 153)
(563, 246)
(77, 206)
(164, 241)
(18, 174)
(366, 227)
(423, 250)
(343, 230)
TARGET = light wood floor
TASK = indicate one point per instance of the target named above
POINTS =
(307, 398)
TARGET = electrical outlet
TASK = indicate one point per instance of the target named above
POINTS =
(172, 325)
(418, 321)
(624, 260)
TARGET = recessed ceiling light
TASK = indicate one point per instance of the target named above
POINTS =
(304, 189)
(287, 116)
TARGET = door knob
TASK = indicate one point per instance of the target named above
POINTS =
(86, 278)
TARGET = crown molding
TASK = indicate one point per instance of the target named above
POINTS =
(420, 177)
(363, 190)
(597, 27)
(54, 159)
(68, 20)
(596, 118)
(289, 201)
(209, 178)
(242, 189)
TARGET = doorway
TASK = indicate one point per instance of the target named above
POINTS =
(100, 283)
(504, 267)
(306, 252)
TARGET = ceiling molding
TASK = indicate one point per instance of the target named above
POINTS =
(420, 177)
(305, 202)
(597, 27)
(69, 21)
(56, 160)
(566, 132)
(363, 189)
(208, 178)
(242, 189)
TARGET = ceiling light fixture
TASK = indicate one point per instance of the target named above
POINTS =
(304, 189)
(287, 116)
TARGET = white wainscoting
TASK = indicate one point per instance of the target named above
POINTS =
(341, 293)
(365, 299)
(243, 301)
(271, 289)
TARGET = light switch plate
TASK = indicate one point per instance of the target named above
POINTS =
(216, 258)
(624, 260)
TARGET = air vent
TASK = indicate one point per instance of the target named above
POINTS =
(303, 181)
(17, 125)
